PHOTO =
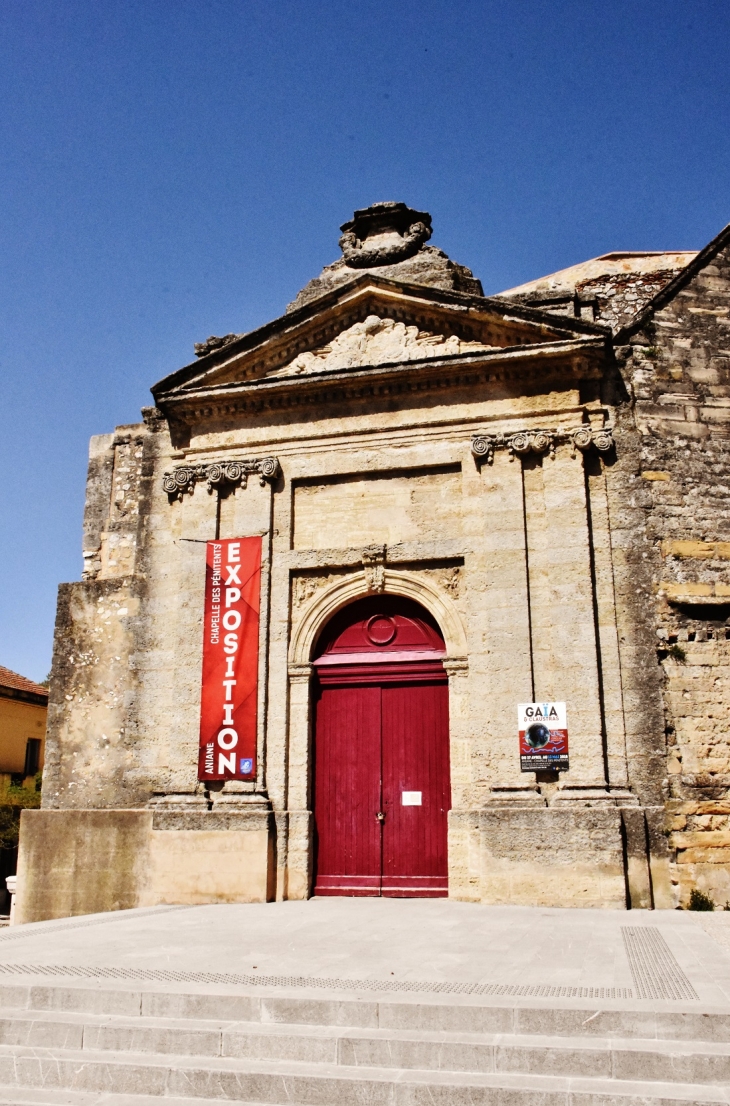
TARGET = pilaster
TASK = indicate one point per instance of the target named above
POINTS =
(565, 655)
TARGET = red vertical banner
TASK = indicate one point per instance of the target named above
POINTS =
(228, 705)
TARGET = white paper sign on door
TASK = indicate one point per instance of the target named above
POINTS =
(410, 798)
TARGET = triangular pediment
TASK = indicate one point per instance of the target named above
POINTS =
(378, 340)
(373, 323)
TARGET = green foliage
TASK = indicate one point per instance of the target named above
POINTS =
(651, 353)
(16, 795)
(9, 826)
(677, 652)
(698, 900)
(12, 801)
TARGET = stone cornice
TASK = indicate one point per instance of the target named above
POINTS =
(522, 442)
(216, 474)
(550, 363)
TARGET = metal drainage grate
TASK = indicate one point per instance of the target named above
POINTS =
(164, 975)
(654, 969)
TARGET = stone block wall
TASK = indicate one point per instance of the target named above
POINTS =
(698, 717)
(603, 580)
(676, 364)
(553, 857)
(93, 735)
(89, 861)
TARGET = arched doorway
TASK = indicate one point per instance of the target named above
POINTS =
(381, 752)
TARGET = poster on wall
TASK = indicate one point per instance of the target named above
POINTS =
(229, 699)
(543, 733)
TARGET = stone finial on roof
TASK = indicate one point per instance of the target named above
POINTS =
(213, 343)
(390, 241)
(383, 234)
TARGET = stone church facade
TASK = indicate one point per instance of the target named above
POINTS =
(539, 480)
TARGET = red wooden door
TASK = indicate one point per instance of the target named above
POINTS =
(416, 789)
(382, 788)
(347, 792)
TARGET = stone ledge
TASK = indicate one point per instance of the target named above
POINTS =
(254, 820)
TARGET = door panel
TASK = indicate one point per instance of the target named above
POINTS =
(347, 791)
(415, 757)
(381, 728)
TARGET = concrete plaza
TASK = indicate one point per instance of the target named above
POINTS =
(626, 956)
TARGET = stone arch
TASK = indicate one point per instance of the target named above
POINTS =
(396, 582)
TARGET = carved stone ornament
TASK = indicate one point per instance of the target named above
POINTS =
(451, 578)
(531, 441)
(304, 587)
(602, 440)
(373, 563)
(583, 438)
(378, 341)
(383, 234)
(213, 343)
(218, 474)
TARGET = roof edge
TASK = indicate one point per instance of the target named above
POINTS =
(435, 295)
(37, 698)
(556, 350)
(669, 291)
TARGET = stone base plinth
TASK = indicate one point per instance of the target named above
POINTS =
(532, 855)
(89, 861)
(552, 857)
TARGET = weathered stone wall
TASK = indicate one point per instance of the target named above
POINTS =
(93, 737)
(89, 861)
(508, 546)
(618, 298)
(601, 579)
(552, 857)
(677, 365)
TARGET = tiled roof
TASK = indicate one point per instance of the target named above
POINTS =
(15, 682)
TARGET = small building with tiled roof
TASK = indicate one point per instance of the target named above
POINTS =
(23, 710)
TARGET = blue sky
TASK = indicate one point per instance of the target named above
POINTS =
(178, 168)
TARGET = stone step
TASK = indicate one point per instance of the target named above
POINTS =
(112, 1075)
(608, 1058)
(589, 1019)
(44, 1096)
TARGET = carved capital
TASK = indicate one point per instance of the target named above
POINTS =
(483, 446)
(456, 666)
(300, 673)
(603, 439)
(218, 474)
(531, 441)
(582, 438)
